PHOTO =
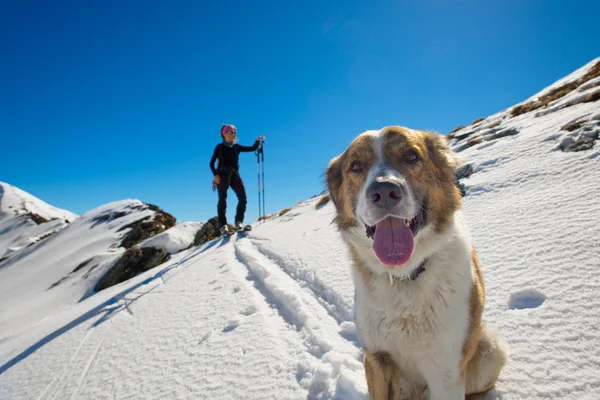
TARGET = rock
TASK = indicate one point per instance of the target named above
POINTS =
(147, 227)
(504, 133)
(461, 188)
(463, 135)
(38, 219)
(284, 211)
(208, 232)
(458, 128)
(572, 126)
(464, 171)
(580, 144)
(322, 201)
(133, 262)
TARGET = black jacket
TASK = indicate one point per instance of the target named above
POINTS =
(228, 156)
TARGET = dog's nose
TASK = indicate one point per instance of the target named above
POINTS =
(385, 193)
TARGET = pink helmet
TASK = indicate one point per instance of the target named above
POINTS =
(228, 128)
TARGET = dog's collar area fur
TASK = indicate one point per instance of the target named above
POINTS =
(414, 275)
(370, 231)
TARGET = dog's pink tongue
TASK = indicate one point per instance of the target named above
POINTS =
(393, 241)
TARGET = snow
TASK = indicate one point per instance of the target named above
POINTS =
(59, 271)
(15, 200)
(567, 79)
(17, 229)
(269, 314)
(176, 239)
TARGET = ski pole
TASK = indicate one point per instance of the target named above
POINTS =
(258, 180)
(262, 152)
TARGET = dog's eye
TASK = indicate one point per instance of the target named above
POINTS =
(411, 157)
(356, 166)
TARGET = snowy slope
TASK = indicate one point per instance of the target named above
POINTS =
(19, 212)
(59, 271)
(176, 239)
(269, 314)
(535, 216)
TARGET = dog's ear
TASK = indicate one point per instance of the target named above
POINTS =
(334, 178)
(445, 162)
(440, 152)
(335, 184)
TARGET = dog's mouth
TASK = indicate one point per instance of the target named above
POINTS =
(393, 237)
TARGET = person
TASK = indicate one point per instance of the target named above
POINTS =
(227, 175)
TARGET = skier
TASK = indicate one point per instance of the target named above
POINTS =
(227, 175)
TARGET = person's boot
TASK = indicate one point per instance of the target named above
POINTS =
(239, 226)
(224, 230)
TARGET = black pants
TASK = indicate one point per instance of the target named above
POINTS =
(231, 178)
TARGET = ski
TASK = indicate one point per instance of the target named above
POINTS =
(246, 228)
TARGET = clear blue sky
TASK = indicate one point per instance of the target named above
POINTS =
(107, 100)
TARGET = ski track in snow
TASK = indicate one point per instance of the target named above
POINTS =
(333, 303)
(261, 267)
(314, 323)
(87, 367)
(55, 382)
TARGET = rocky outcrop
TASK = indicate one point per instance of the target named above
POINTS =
(208, 232)
(133, 262)
(579, 144)
(147, 227)
(559, 92)
(480, 135)
(582, 135)
(38, 219)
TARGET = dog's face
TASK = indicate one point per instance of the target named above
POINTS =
(394, 183)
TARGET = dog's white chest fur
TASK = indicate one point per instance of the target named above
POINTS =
(421, 324)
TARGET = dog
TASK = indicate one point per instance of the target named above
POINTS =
(419, 289)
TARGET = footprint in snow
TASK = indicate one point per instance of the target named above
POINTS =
(523, 299)
(236, 289)
(231, 325)
(249, 311)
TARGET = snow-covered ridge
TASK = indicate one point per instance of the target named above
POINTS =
(571, 78)
(18, 202)
(582, 87)
(64, 267)
(26, 220)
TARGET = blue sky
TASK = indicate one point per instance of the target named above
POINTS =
(102, 101)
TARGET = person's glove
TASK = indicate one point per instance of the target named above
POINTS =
(216, 181)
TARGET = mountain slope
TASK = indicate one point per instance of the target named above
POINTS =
(63, 268)
(26, 220)
(534, 212)
(269, 314)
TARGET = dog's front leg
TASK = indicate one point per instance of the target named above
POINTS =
(382, 376)
(444, 383)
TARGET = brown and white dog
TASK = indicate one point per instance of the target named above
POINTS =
(419, 291)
